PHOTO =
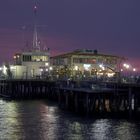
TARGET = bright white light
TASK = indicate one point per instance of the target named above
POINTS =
(46, 64)
(4, 69)
(35, 7)
(127, 66)
(124, 65)
(46, 69)
(87, 66)
(0, 68)
(12, 67)
(101, 65)
(134, 69)
(41, 69)
(51, 68)
(121, 69)
(103, 68)
(110, 74)
(75, 67)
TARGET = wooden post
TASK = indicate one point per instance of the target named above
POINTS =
(130, 101)
(67, 99)
(76, 102)
(59, 98)
(87, 104)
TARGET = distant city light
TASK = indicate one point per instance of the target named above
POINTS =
(134, 69)
(35, 7)
(124, 65)
(127, 66)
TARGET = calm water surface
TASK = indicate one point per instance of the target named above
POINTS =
(40, 120)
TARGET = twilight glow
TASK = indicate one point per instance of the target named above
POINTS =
(111, 27)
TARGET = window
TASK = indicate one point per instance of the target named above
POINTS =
(39, 58)
(26, 58)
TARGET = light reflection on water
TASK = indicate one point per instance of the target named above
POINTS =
(39, 120)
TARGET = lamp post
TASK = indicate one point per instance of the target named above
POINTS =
(127, 67)
(134, 69)
(50, 72)
(76, 71)
(131, 71)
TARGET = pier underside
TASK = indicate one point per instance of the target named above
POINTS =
(111, 99)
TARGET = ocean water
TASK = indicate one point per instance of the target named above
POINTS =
(42, 120)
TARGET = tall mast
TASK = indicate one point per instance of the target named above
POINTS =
(36, 46)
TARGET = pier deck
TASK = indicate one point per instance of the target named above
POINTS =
(96, 98)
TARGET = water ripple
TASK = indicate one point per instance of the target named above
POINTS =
(40, 120)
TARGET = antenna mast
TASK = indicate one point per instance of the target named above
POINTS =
(36, 46)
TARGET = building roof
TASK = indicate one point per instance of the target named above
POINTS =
(85, 52)
(43, 53)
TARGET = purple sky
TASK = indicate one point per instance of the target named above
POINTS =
(110, 26)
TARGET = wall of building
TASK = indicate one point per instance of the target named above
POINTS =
(87, 64)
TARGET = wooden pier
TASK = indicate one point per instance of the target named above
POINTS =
(101, 99)
(26, 89)
(96, 99)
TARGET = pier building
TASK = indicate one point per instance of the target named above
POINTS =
(86, 63)
(33, 63)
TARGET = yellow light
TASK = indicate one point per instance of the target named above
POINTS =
(87, 66)
(110, 74)
(76, 68)
(127, 66)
